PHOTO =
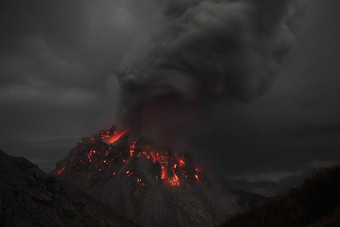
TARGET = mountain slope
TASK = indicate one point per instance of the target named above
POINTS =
(29, 197)
(247, 199)
(315, 203)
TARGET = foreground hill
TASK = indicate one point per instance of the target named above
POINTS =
(29, 197)
(315, 203)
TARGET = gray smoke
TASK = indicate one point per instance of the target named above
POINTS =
(204, 51)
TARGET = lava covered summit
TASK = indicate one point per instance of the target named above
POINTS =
(149, 184)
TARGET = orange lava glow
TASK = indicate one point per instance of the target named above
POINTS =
(163, 176)
(181, 163)
(105, 135)
(116, 136)
(172, 168)
(162, 159)
(89, 155)
(140, 182)
(129, 173)
(61, 170)
(167, 164)
(132, 148)
(174, 181)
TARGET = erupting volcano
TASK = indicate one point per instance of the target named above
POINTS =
(149, 184)
(204, 53)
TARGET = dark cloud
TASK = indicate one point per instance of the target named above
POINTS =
(56, 68)
(57, 84)
(297, 120)
(203, 52)
(64, 43)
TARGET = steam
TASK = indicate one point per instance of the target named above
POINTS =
(204, 51)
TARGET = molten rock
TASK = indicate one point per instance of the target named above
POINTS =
(151, 185)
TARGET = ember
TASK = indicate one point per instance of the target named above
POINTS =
(132, 148)
(181, 163)
(174, 180)
(140, 182)
(89, 156)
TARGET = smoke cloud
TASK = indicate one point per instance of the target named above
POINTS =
(201, 52)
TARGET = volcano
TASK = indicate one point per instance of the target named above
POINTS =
(149, 184)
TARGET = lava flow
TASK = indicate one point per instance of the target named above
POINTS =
(102, 155)
(116, 136)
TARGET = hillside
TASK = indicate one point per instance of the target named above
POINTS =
(315, 203)
(30, 197)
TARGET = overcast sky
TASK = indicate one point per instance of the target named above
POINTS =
(58, 62)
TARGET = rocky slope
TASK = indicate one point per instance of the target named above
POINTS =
(151, 185)
(315, 203)
(29, 197)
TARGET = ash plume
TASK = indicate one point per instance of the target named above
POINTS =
(202, 52)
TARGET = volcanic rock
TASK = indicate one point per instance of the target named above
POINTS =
(30, 197)
(151, 185)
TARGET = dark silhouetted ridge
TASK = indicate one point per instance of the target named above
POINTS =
(30, 197)
(315, 203)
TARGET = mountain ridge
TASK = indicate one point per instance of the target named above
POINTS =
(30, 197)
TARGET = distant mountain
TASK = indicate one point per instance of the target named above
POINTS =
(315, 203)
(30, 197)
(247, 199)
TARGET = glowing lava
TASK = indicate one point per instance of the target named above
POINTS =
(181, 163)
(61, 170)
(132, 148)
(174, 181)
(116, 136)
(171, 167)
(89, 155)
(168, 164)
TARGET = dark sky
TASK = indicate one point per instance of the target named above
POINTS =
(58, 61)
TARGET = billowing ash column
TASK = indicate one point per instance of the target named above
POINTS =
(204, 51)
